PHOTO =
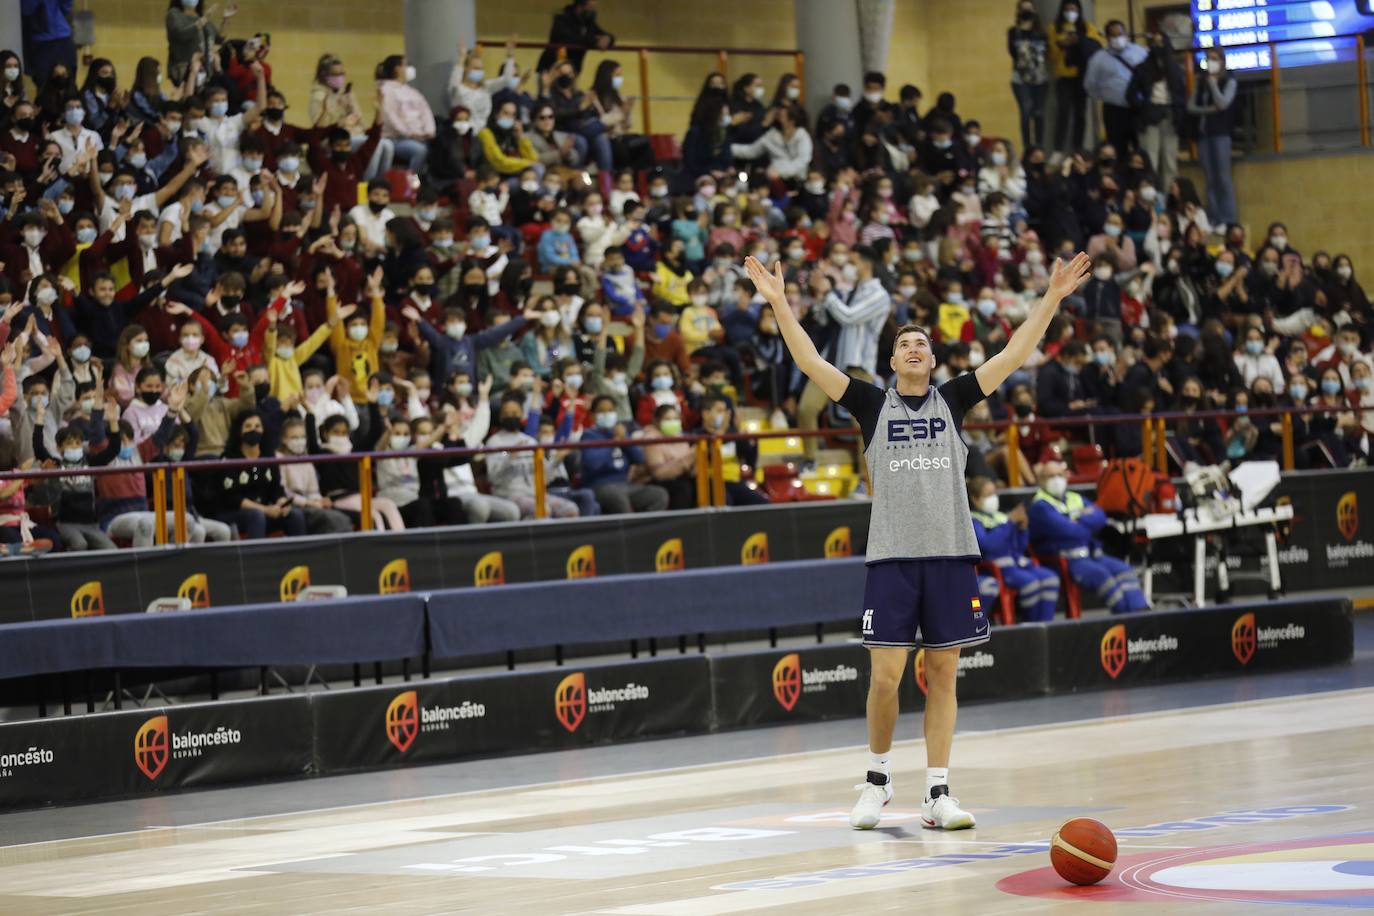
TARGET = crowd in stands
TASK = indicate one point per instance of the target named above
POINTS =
(195, 266)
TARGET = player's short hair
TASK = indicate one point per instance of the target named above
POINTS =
(912, 329)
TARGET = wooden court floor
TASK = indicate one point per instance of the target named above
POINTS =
(1218, 809)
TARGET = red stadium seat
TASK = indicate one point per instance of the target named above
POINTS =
(1088, 462)
(1073, 599)
(1006, 596)
(667, 148)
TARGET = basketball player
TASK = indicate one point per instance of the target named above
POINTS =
(921, 545)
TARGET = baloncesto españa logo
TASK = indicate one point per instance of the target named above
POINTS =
(155, 743)
(790, 680)
(1117, 649)
(573, 700)
(1247, 638)
(1348, 525)
(406, 718)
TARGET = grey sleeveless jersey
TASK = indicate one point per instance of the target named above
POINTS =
(916, 462)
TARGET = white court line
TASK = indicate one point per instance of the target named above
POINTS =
(1009, 730)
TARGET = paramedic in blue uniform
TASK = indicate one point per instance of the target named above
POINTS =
(1063, 523)
(1004, 542)
(921, 546)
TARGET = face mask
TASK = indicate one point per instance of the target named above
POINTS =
(341, 155)
(218, 109)
(976, 358)
(943, 143)
(987, 307)
(463, 389)
(65, 206)
(510, 424)
(339, 445)
(1173, 267)
(357, 332)
(150, 397)
(850, 272)
(716, 421)
(670, 427)
(606, 420)
(226, 201)
(550, 319)
(74, 116)
(1103, 273)
(295, 445)
(46, 296)
(1364, 384)
(288, 164)
(479, 242)
(909, 292)
(999, 157)
(476, 76)
(1279, 241)
(399, 443)
(1112, 230)
(73, 455)
(386, 397)
(1225, 269)
(1056, 486)
(1254, 347)
(973, 139)
(125, 192)
(1104, 357)
(873, 98)
(572, 382)
(211, 388)
(1070, 16)
(1298, 392)
(81, 354)
(707, 190)
(658, 191)
(190, 344)
(410, 74)
(593, 325)
(843, 102)
(505, 123)
(989, 504)
(138, 349)
(39, 403)
(455, 329)
(251, 438)
(1344, 272)
(954, 297)
(85, 235)
(126, 453)
(662, 383)
(252, 166)
(1331, 387)
(443, 244)
(286, 351)
(1119, 43)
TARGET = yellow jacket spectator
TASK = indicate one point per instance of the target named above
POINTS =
(285, 355)
(504, 144)
(671, 276)
(699, 325)
(357, 338)
(1067, 48)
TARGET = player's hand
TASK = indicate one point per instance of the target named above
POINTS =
(771, 286)
(1065, 278)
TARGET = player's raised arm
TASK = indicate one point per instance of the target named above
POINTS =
(773, 288)
(1064, 279)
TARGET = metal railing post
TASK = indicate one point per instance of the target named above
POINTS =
(1288, 460)
(799, 62)
(723, 61)
(644, 89)
(1275, 107)
(179, 504)
(1013, 456)
(1147, 441)
(160, 505)
(365, 492)
(717, 474)
(703, 474)
(1161, 444)
(540, 498)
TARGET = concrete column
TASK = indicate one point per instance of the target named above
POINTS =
(12, 27)
(433, 30)
(828, 34)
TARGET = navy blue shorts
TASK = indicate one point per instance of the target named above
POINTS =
(936, 598)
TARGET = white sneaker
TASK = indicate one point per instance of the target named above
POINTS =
(943, 813)
(875, 793)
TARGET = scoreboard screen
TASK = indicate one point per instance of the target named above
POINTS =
(1314, 31)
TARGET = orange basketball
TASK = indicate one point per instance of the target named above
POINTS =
(1083, 851)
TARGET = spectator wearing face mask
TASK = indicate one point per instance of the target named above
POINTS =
(1029, 49)
(356, 342)
(407, 120)
(75, 516)
(1064, 524)
(716, 420)
(1004, 541)
(1254, 360)
(1073, 40)
(1102, 298)
(1059, 388)
(838, 111)
(1344, 293)
(512, 473)
(671, 465)
(609, 471)
(1107, 79)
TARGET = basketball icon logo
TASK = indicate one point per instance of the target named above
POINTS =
(1114, 650)
(296, 578)
(196, 589)
(1348, 516)
(921, 672)
(151, 747)
(1243, 638)
(394, 578)
(89, 600)
(787, 681)
(838, 543)
(490, 570)
(570, 701)
(582, 563)
(755, 550)
(670, 557)
(403, 720)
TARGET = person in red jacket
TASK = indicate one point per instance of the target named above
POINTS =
(21, 139)
(341, 166)
(662, 341)
(244, 69)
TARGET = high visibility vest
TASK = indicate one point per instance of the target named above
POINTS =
(1071, 506)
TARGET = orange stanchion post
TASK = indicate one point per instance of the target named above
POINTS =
(1361, 76)
(160, 506)
(1288, 460)
(644, 88)
(540, 507)
(1013, 456)
(723, 61)
(703, 474)
(1190, 81)
(799, 61)
(365, 493)
(1147, 441)
(1161, 446)
(717, 474)
(179, 504)
(1275, 108)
